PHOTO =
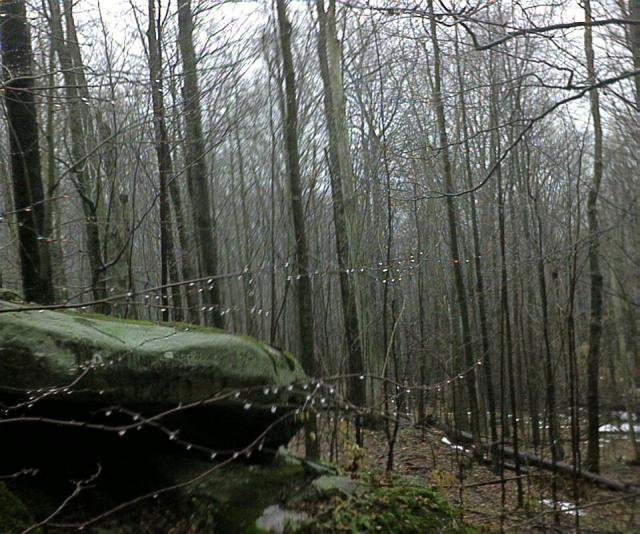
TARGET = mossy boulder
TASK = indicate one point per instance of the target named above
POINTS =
(133, 360)
(72, 367)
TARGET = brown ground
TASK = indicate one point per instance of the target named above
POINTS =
(479, 494)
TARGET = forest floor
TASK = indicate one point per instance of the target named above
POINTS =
(477, 491)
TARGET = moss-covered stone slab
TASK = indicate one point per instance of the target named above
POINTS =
(215, 390)
(133, 360)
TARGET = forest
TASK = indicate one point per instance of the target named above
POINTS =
(346, 265)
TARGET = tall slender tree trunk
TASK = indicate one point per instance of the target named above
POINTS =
(51, 209)
(182, 249)
(522, 170)
(507, 333)
(477, 253)
(634, 34)
(77, 126)
(203, 216)
(505, 321)
(629, 396)
(248, 282)
(303, 280)
(550, 389)
(461, 297)
(28, 194)
(341, 192)
(165, 169)
(595, 325)
(421, 297)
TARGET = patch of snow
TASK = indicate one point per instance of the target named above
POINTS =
(624, 427)
(564, 506)
(448, 443)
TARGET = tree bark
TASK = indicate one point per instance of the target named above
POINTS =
(28, 194)
(165, 170)
(77, 127)
(634, 32)
(198, 176)
(461, 297)
(595, 324)
(303, 281)
(341, 178)
(482, 308)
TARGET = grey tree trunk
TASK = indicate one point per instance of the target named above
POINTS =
(303, 281)
(461, 298)
(595, 324)
(634, 32)
(28, 194)
(198, 175)
(165, 170)
(340, 171)
(477, 251)
(77, 127)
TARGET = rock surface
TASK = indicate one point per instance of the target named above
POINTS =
(331, 485)
(75, 369)
(275, 519)
(133, 360)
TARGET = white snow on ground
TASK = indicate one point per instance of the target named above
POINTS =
(624, 427)
(448, 443)
(566, 507)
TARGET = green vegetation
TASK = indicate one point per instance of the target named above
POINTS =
(44, 348)
(401, 507)
(233, 498)
(14, 516)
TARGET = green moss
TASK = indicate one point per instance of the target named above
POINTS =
(180, 326)
(14, 516)
(403, 508)
(196, 328)
(156, 362)
(101, 317)
(231, 499)
(291, 359)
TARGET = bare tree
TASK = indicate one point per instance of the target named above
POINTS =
(28, 194)
(341, 191)
(595, 321)
(461, 297)
(198, 174)
(303, 280)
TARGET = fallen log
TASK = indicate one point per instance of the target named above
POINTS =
(531, 460)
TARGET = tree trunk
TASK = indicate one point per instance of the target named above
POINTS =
(482, 308)
(595, 325)
(77, 127)
(634, 32)
(303, 281)
(461, 297)
(165, 170)
(28, 194)
(204, 219)
(341, 194)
